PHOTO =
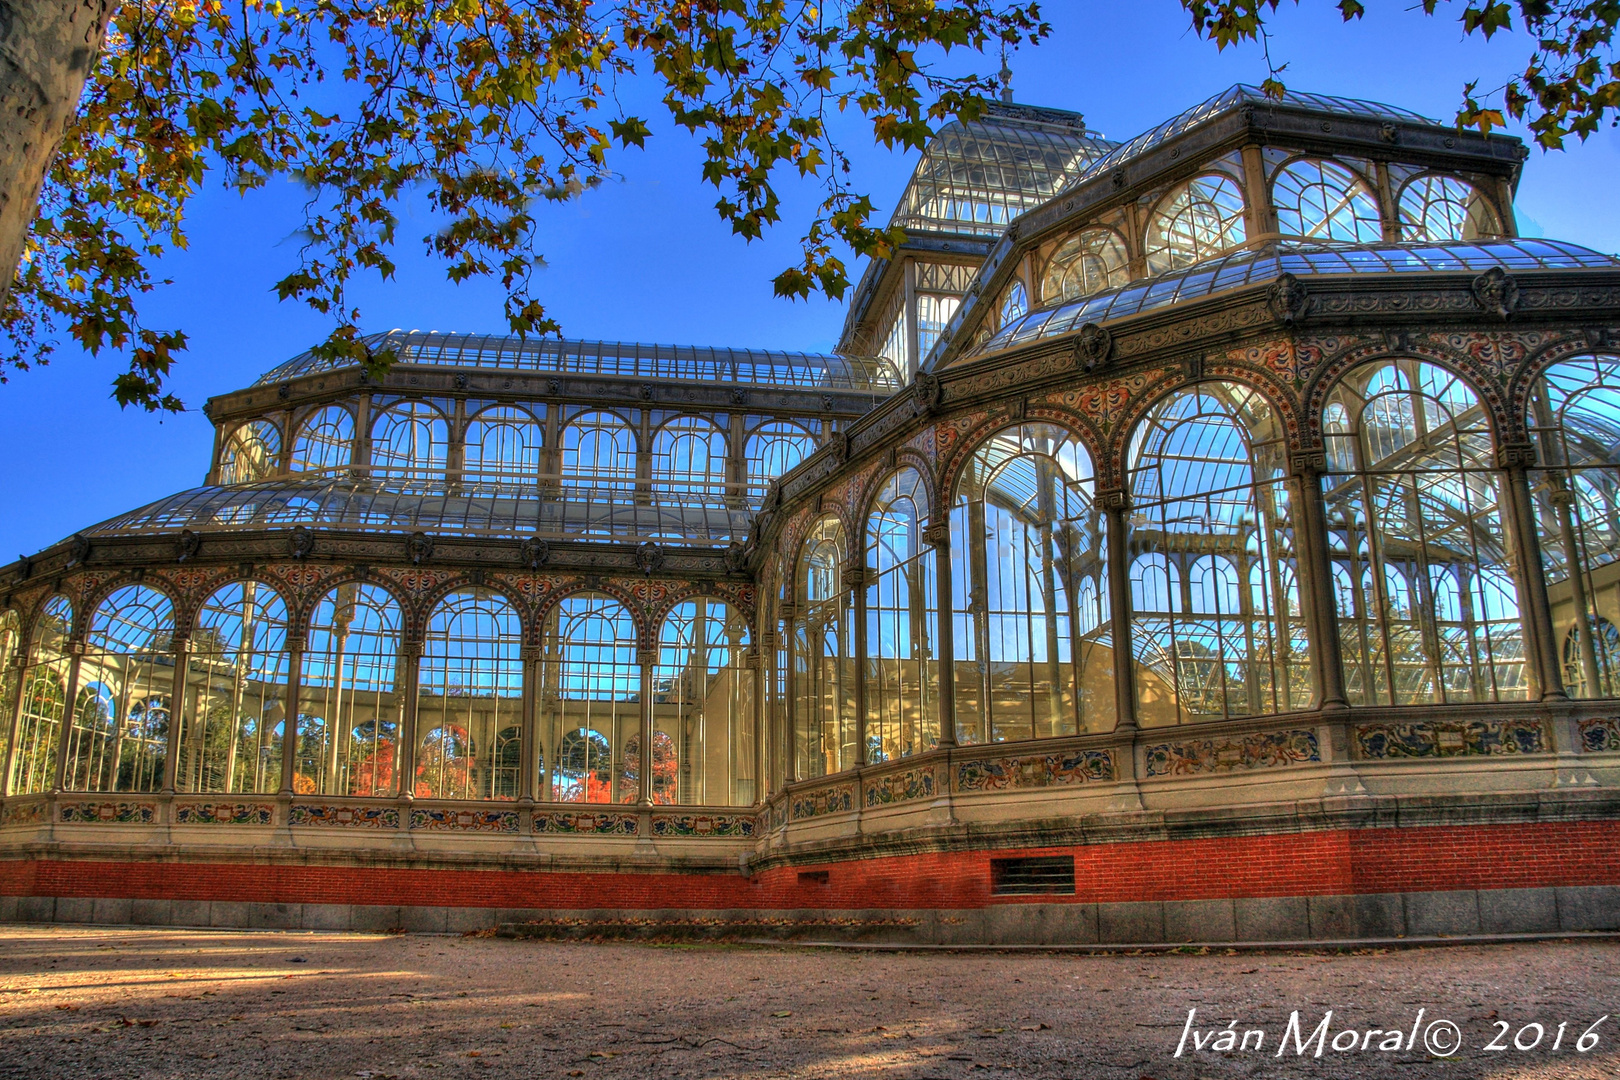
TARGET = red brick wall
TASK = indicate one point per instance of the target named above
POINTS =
(1300, 864)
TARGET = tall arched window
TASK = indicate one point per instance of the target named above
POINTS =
(1196, 221)
(10, 657)
(349, 700)
(250, 453)
(411, 441)
(689, 455)
(1575, 425)
(598, 451)
(236, 692)
(502, 449)
(44, 700)
(1323, 200)
(1437, 208)
(823, 670)
(902, 623)
(703, 704)
(1034, 656)
(469, 704)
(1086, 263)
(1431, 613)
(590, 697)
(1217, 628)
(1013, 303)
(120, 731)
(325, 441)
(773, 449)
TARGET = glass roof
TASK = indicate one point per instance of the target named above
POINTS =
(368, 505)
(757, 367)
(975, 177)
(1236, 97)
(1264, 264)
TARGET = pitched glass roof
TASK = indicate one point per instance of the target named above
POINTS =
(1264, 264)
(976, 176)
(1236, 97)
(757, 367)
(376, 506)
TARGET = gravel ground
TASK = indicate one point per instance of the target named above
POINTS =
(97, 1002)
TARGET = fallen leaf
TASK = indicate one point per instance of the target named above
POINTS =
(67, 1007)
(1034, 1027)
(784, 1012)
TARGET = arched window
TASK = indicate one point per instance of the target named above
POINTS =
(236, 692)
(773, 449)
(902, 623)
(703, 708)
(502, 450)
(1417, 522)
(1025, 532)
(598, 451)
(469, 691)
(1323, 200)
(1013, 303)
(325, 441)
(120, 731)
(823, 670)
(1436, 209)
(689, 455)
(590, 698)
(934, 313)
(1575, 425)
(1196, 221)
(250, 453)
(1217, 628)
(10, 658)
(1086, 263)
(44, 700)
(410, 441)
(349, 700)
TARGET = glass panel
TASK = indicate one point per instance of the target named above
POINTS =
(349, 702)
(120, 731)
(44, 700)
(236, 693)
(1217, 628)
(598, 450)
(689, 455)
(250, 453)
(703, 708)
(1428, 610)
(410, 441)
(824, 683)
(10, 659)
(1323, 200)
(773, 449)
(1086, 263)
(469, 706)
(590, 700)
(325, 441)
(1196, 221)
(902, 624)
(502, 451)
(1437, 208)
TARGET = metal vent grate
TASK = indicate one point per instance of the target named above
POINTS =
(1042, 875)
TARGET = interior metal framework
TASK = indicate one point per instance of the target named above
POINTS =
(1254, 454)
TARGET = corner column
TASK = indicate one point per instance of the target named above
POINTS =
(855, 585)
(1316, 564)
(938, 536)
(1116, 504)
(1535, 610)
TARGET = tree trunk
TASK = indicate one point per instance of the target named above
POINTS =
(46, 49)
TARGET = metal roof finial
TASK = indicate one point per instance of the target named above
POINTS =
(1006, 77)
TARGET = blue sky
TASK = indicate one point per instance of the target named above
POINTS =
(645, 258)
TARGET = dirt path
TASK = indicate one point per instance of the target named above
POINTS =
(80, 1003)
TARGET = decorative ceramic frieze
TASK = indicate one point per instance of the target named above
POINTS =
(822, 801)
(574, 822)
(438, 819)
(738, 825)
(896, 787)
(1036, 770)
(224, 813)
(28, 813)
(99, 813)
(330, 816)
(1255, 750)
(1600, 735)
(1485, 738)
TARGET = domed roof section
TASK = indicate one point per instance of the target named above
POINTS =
(976, 176)
(758, 367)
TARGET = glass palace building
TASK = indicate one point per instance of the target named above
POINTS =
(1211, 536)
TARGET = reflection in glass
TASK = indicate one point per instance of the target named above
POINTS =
(249, 454)
(236, 693)
(902, 623)
(823, 669)
(469, 708)
(325, 441)
(1323, 200)
(1196, 221)
(44, 700)
(349, 704)
(1086, 263)
(703, 705)
(590, 698)
(1437, 208)
(119, 736)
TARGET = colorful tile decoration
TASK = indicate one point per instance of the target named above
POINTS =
(740, 825)
(434, 819)
(901, 787)
(1452, 739)
(345, 817)
(224, 813)
(822, 801)
(28, 813)
(1045, 770)
(1600, 735)
(576, 822)
(1255, 750)
(98, 813)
